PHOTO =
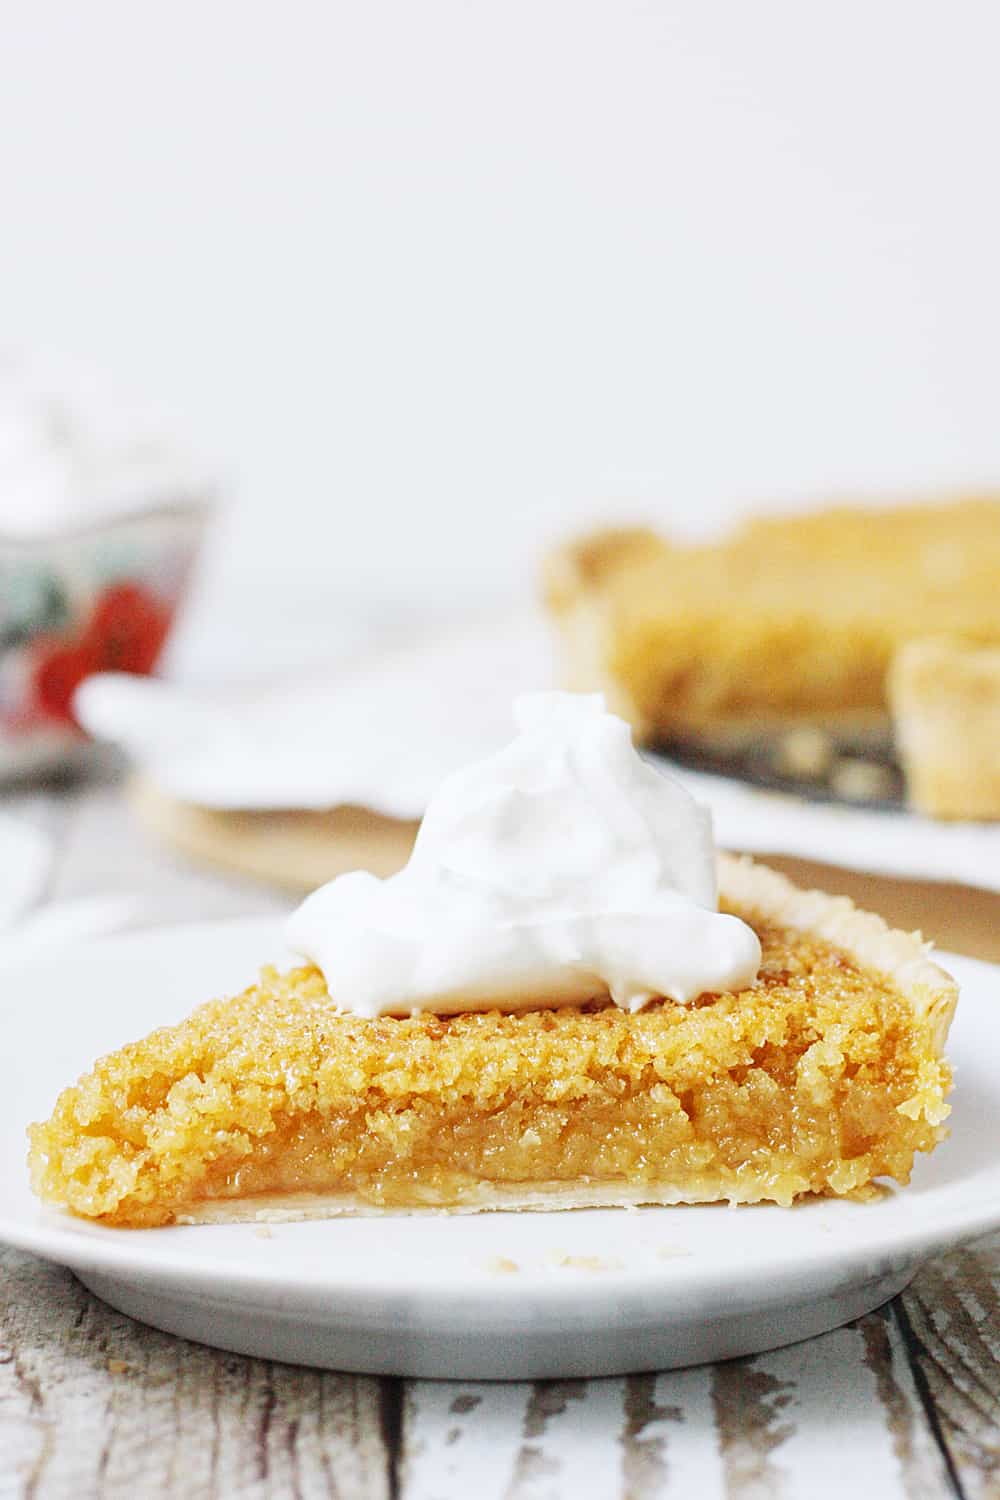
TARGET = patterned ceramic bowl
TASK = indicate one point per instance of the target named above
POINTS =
(99, 599)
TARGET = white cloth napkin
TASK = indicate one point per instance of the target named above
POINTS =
(380, 734)
(383, 733)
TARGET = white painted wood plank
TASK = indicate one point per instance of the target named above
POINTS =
(645, 1437)
(570, 1442)
(460, 1438)
(47, 809)
(924, 1465)
(833, 1416)
(951, 1313)
(94, 1404)
(32, 829)
(671, 1447)
(512, 1442)
(837, 1414)
(105, 852)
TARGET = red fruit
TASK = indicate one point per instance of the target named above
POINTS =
(127, 628)
(125, 633)
(58, 672)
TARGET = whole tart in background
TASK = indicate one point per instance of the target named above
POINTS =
(790, 623)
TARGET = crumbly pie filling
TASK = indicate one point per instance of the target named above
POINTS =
(823, 1076)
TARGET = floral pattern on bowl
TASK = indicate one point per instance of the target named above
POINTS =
(100, 600)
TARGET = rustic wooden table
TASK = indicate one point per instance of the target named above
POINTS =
(905, 1402)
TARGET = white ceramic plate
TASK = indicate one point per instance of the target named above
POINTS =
(883, 841)
(593, 1293)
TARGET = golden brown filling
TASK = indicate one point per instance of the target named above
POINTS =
(790, 616)
(818, 1079)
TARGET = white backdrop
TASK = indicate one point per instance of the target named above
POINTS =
(439, 281)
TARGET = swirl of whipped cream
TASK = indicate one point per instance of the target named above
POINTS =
(560, 869)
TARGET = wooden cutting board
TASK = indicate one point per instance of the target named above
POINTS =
(296, 850)
(300, 850)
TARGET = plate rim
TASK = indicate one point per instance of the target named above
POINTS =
(81, 1244)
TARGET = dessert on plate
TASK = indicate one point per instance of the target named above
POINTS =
(563, 1000)
(791, 623)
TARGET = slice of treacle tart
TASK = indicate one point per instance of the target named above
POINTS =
(825, 1074)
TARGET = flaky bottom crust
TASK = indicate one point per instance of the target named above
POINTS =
(483, 1197)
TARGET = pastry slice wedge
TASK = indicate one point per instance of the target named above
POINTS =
(824, 1075)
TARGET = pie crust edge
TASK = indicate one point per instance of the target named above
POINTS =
(945, 701)
(902, 957)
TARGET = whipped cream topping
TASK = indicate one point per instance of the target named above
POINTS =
(560, 869)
